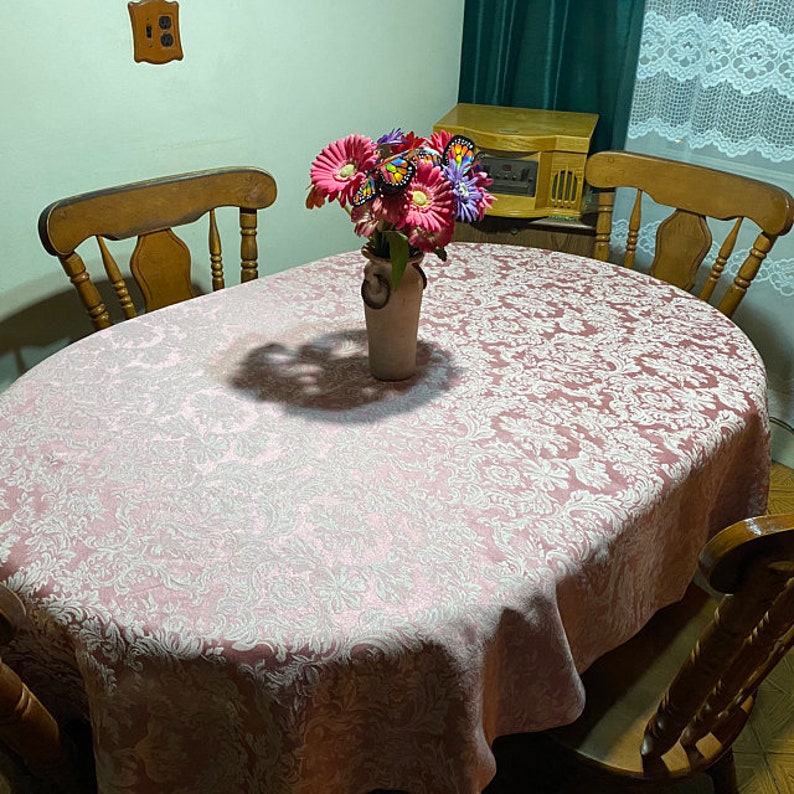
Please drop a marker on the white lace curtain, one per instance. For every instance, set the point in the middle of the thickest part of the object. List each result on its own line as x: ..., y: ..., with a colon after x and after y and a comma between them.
x: 715, y: 85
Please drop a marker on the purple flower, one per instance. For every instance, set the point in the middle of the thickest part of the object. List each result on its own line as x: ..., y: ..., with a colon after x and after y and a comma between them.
x: 391, y: 138
x: 466, y: 191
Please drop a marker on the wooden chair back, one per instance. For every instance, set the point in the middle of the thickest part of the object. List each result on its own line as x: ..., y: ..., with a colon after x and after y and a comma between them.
x: 161, y: 261
x: 639, y: 726
x: 26, y: 726
x: 684, y: 238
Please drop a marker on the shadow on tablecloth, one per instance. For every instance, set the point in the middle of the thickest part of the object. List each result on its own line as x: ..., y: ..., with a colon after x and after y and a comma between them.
x: 330, y: 374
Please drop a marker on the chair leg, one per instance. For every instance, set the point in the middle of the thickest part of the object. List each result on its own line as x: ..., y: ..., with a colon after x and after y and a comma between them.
x: 723, y: 775
x: 31, y: 732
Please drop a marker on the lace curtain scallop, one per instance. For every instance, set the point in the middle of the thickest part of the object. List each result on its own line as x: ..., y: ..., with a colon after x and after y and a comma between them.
x: 720, y: 74
x: 715, y: 86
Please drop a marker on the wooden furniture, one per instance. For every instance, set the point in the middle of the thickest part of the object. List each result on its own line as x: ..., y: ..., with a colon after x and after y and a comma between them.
x: 668, y: 704
x: 535, y: 157
x: 339, y: 584
x: 569, y: 235
x: 26, y: 726
x: 160, y: 263
x: 684, y: 239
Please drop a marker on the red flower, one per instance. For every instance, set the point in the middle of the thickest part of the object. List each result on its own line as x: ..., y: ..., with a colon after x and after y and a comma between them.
x: 439, y: 140
x: 314, y: 198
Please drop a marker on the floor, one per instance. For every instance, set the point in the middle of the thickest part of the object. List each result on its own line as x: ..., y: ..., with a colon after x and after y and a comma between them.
x: 764, y: 753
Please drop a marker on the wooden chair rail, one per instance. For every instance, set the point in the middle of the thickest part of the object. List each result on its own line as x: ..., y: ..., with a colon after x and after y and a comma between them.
x: 154, y: 205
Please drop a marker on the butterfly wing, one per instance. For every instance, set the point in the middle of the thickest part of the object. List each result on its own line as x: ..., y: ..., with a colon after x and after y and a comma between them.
x: 367, y: 191
x: 396, y: 173
x: 425, y: 155
x: 461, y: 152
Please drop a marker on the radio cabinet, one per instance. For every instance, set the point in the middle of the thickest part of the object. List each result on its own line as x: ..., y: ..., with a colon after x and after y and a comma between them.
x: 535, y: 157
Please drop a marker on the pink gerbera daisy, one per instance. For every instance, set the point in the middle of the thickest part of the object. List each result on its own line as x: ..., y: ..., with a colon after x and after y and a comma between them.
x: 431, y: 203
x: 365, y: 219
x: 341, y: 167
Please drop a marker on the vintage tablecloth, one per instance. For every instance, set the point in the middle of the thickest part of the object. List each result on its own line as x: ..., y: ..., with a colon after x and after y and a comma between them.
x: 260, y: 570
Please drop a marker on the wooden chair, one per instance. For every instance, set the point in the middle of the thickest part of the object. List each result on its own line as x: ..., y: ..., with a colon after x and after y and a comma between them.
x: 683, y: 240
x: 26, y: 726
x: 160, y: 263
x: 633, y: 729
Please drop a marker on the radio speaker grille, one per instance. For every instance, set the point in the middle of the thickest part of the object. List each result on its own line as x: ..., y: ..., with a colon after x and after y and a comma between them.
x: 565, y: 190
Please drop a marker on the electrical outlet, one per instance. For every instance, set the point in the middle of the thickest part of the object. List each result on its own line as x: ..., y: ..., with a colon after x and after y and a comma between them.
x: 155, y: 31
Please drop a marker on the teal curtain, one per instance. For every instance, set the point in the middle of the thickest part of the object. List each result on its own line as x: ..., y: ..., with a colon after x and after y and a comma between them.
x: 574, y: 55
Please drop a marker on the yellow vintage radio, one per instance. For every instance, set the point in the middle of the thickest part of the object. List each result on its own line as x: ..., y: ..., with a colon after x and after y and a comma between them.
x: 536, y: 158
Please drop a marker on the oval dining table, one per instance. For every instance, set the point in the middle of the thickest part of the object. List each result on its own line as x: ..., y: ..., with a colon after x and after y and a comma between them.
x: 257, y: 569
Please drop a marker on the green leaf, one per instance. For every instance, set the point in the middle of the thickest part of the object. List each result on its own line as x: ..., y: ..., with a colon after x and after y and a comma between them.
x: 379, y: 244
x: 398, y: 253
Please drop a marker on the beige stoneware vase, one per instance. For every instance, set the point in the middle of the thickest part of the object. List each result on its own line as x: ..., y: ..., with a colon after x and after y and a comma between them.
x: 392, y: 316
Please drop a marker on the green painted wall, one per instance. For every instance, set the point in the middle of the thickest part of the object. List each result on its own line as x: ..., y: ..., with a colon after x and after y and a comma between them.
x: 262, y: 83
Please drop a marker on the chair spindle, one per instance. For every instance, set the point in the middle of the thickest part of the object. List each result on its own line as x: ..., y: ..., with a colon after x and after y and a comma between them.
x: 216, y: 256
x: 634, y: 231
x: 248, y: 249
x: 722, y: 259
x: 746, y: 274
x: 735, y: 618
x: 760, y: 653
x: 117, y: 280
x: 86, y: 289
x: 606, y: 205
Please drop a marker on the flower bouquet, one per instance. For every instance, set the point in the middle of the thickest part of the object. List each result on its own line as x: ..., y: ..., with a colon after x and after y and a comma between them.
x: 403, y: 193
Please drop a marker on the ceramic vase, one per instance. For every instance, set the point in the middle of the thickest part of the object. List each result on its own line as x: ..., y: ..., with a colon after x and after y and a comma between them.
x: 392, y: 316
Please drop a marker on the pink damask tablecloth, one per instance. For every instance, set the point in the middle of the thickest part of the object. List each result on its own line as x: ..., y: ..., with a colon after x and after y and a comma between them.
x: 259, y: 570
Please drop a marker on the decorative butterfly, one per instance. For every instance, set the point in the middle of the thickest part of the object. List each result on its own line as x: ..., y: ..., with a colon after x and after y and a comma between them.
x: 367, y: 191
x: 426, y: 156
x: 395, y: 174
x: 461, y: 151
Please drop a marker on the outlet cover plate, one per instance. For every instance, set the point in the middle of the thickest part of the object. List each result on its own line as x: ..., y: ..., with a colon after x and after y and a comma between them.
x: 155, y: 31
